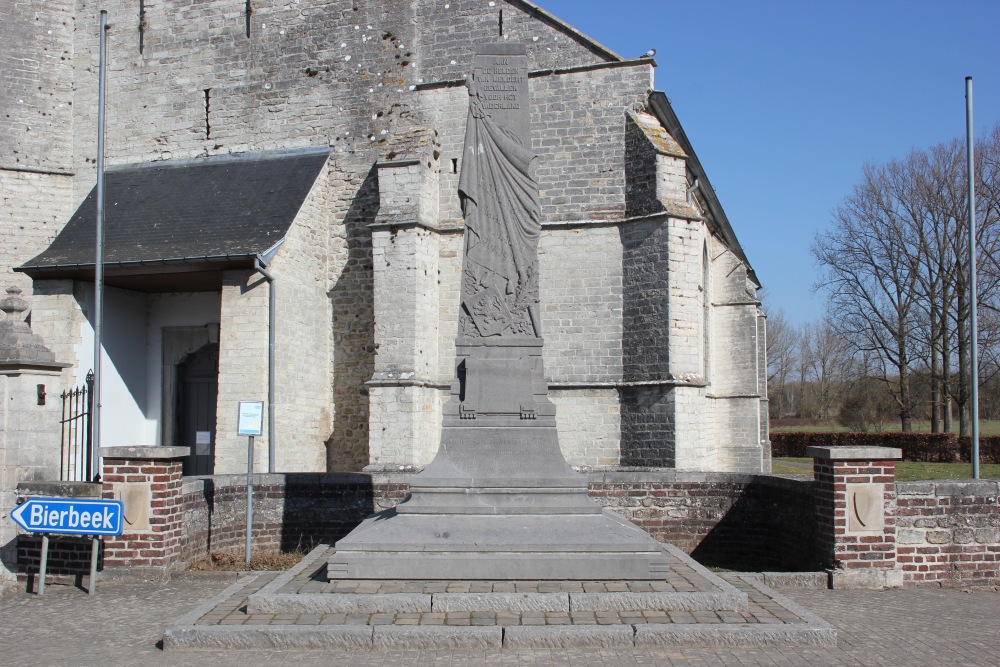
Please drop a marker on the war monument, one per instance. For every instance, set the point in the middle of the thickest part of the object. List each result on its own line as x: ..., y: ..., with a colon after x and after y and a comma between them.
x: 499, y: 501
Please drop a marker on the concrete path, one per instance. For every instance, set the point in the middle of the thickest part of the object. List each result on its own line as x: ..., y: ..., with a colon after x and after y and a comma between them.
x: 122, y: 625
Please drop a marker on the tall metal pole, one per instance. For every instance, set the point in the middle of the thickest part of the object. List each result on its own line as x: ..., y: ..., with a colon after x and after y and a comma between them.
x: 95, y: 418
x: 974, y: 371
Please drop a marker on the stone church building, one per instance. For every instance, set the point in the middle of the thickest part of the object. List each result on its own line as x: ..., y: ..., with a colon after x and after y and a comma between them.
x: 306, y: 155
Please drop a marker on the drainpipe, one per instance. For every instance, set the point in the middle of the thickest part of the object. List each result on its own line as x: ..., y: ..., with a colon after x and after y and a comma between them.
x: 690, y: 190
x: 271, y: 307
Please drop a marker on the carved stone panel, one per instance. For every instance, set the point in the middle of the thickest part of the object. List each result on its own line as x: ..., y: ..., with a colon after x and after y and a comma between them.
x: 865, y: 511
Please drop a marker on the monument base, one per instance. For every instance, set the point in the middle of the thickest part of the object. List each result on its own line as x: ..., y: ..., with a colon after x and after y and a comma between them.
x: 600, y: 546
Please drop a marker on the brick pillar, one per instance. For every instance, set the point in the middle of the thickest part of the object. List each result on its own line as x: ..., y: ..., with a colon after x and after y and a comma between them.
x: 856, y: 515
x: 148, y: 481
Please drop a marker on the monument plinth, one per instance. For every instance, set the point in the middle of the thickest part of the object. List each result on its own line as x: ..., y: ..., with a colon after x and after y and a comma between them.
x: 499, y: 501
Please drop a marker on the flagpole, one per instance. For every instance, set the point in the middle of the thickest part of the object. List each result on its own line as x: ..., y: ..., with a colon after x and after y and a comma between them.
x: 95, y: 418
x: 974, y: 370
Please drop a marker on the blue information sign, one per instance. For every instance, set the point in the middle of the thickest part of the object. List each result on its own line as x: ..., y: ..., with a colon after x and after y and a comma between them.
x: 70, y: 516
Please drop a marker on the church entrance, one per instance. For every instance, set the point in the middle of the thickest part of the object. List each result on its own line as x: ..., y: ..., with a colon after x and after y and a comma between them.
x: 196, y: 405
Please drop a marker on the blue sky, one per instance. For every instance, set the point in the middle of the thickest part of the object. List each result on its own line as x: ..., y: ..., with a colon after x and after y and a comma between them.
x: 786, y: 100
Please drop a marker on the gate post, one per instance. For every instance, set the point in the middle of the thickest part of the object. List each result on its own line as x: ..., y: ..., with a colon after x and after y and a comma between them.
x: 148, y: 480
x: 856, y: 515
x: 29, y: 418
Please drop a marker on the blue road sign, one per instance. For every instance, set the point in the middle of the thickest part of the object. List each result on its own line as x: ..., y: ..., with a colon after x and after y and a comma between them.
x: 70, y: 516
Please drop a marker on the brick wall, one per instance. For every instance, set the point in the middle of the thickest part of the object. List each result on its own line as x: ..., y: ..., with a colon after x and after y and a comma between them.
x: 834, y: 538
x: 949, y: 532
x: 158, y: 545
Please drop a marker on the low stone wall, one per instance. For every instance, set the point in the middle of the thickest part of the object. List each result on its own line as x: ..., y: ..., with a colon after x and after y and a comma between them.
x: 948, y: 532
x: 737, y: 521
x: 945, y: 533
x: 729, y: 520
x: 291, y: 510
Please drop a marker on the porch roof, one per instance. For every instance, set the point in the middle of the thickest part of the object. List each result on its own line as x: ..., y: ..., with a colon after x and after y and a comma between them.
x: 175, y: 225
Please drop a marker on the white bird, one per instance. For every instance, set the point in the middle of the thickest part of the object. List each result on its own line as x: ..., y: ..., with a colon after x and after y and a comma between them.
x: 649, y: 54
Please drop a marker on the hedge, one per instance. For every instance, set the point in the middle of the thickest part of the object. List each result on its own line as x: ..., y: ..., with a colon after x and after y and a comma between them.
x: 922, y: 447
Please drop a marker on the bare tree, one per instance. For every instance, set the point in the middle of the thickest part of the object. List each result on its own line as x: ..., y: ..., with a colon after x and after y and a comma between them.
x: 895, y: 268
x: 869, y: 272
x: 827, y: 365
x: 782, y: 344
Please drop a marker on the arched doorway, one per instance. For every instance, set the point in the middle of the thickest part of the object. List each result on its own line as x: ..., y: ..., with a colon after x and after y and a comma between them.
x: 198, y: 393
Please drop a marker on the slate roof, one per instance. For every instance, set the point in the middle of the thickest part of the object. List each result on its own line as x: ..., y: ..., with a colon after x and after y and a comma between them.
x: 192, y: 211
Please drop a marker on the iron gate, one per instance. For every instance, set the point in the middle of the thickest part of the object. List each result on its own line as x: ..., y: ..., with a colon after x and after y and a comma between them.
x: 76, y: 448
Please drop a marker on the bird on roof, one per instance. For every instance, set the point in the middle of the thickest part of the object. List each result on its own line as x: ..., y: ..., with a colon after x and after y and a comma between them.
x: 649, y: 54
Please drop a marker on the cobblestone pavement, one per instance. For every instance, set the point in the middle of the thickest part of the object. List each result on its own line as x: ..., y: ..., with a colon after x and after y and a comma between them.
x: 122, y: 625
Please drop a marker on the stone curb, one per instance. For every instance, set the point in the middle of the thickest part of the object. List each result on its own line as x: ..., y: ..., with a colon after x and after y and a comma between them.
x: 512, y: 602
x: 439, y: 637
x: 338, y: 603
x: 658, y: 601
x: 728, y: 635
x: 807, y: 616
x: 569, y: 636
x: 273, y: 587
x: 192, y: 617
x: 268, y: 637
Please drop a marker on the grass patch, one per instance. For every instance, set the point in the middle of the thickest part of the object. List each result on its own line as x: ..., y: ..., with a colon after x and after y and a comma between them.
x: 906, y: 471
x: 817, y: 428
x: 259, y: 560
x: 791, y: 466
x: 986, y: 427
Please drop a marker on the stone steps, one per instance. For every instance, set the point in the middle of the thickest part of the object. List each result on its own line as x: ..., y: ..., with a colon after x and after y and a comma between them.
x: 300, y: 609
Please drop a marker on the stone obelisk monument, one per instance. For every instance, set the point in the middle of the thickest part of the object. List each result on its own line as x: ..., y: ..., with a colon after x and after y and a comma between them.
x: 499, y: 501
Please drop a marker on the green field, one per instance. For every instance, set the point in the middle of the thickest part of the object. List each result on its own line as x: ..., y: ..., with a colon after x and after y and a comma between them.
x: 906, y: 471
x: 986, y: 427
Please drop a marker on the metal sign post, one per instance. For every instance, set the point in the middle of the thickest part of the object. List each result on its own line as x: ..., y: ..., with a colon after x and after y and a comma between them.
x: 250, y: 423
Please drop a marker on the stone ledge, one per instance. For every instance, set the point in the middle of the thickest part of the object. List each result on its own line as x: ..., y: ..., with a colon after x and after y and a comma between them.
x: 875, y: 579
x: 60, y: 489
x: 151, y: 453
x: 808, y: 580
x: 855, y: 453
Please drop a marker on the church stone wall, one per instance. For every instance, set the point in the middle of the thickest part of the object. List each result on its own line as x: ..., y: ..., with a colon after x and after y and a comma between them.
x: 303, y: 417
x: 242, y: 367
x: 352, y: 300
x: 620, y: 296
x: 36, y: 123
x: 578, y: 132
x: 451, y: 32
x: 580, y: 283
x: 33, y: 208
x: 36, y: 76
